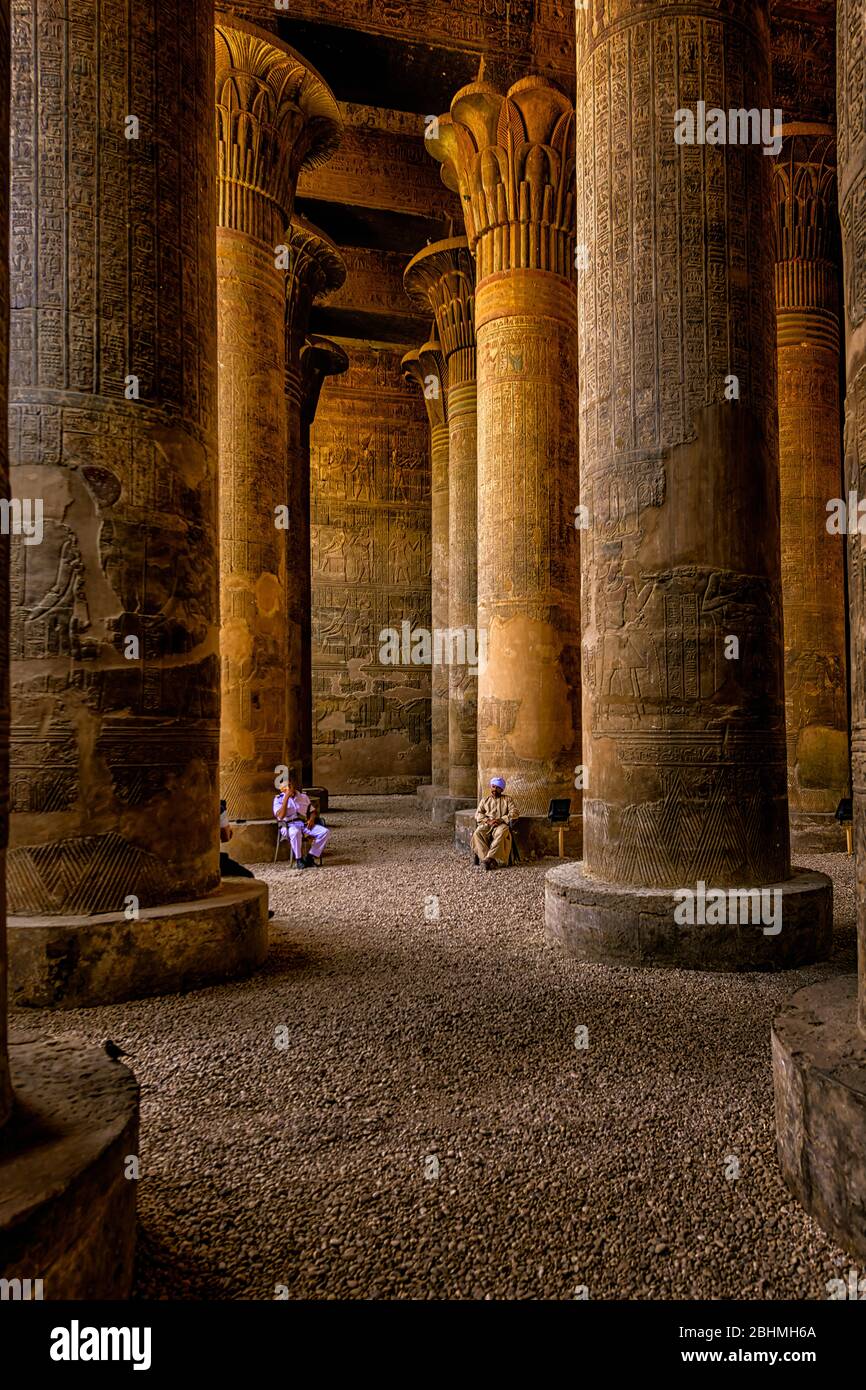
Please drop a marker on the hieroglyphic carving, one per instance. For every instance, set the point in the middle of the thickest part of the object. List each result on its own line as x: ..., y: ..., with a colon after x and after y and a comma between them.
x: 5, y: 1087
x: 518, y: 33
x: 427, y: 368
x: 851, y: 95
x: 382, y: 170
x: 511, y: 157
x: 370, y: 505
x: 127, y: 482
x: 274, y: 114
x: 810, y: 469
x: 442, y: 275
x: 316, y: 268
x: 803, y: 36
x: 374, y: 284
x: 684, y: 747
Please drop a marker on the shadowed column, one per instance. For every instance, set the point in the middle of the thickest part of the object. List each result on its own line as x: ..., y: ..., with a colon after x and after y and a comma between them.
x: 819, y: 1039
x: 427, y: 368
x: 5, y: 1087
x: 275, y: 115
x: 316, y: 269
x: 810, y: 470
x: 684, y: 737
x: 511, y: 158
x: 320, y: 358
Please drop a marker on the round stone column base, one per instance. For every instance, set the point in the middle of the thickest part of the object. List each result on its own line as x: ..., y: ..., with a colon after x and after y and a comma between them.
x: 80, y: 962
x: 619, y: 924
x: 819, y: 1077
x: 427, y: 791
x: 67, y: 1188
x: 816, y: 834
x: 536, y: 837
x: 444, y: 807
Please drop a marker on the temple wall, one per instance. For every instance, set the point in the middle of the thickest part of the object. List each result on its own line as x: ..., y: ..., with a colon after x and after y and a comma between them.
x: 370, y: 513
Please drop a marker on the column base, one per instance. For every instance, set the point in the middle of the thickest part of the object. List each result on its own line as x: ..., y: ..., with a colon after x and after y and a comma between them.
x: 819, y: 1077
x: 536, y: 837
x: 816, y: 834
x: 619, y: 924
x: 319, y: 796
x: 67, y: 1210
x: 426, y: 792
x: 81, y: 962
x: 444, y: 807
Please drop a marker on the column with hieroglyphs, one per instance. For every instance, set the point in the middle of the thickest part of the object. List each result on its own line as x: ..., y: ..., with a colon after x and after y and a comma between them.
x: 275, y: 115
x: 511, y: 158
x: 426, y: 367
x: 810, y: 470
x: 683, y: 720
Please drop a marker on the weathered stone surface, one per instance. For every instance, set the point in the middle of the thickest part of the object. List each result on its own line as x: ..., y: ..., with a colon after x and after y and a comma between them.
x: 67, y: 1206
x: 536, y: 837
x: 5, y: 1086
x: 320, y: 358
x: 443, y: 275
x: 79, y: 962
x: 315, y: 269
x: 444, y: 807
x: 427, y: 368
x: 370, y: 509
x: 810, y: 467
x: 274, y: 115
x: 851, y: 39
x: 511, y: 158
x: 621, y: 924
x: 115, y: 667
x: 819, y: 1076
x: 684, y: 730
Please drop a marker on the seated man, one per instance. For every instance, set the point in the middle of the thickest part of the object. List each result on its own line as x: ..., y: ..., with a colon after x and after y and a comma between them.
x: 491, y: 842
x: 296, y: 817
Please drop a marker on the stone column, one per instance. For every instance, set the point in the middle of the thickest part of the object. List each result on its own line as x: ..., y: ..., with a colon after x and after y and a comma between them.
x: 819, y: 1039
x: 511, y: 158
x: 442, y: 278
x: 5, y: 1086
x: 114, y: 631
x: 684, y: 736
x: 810, y: 469
x: 316, y: 269
x: 427, y: 368
x: 275, y: 115
x: 320, y: 358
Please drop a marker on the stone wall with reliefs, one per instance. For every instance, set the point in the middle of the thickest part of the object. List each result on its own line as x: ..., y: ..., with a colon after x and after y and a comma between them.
x: 113, y: 278
x: 5, y: 1088
x: 370, y: 512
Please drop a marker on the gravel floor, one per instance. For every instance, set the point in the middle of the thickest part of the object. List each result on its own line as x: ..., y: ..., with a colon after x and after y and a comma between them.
x: 395, y: 1106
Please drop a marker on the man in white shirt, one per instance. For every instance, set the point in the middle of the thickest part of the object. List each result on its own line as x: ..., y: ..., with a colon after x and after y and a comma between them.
x: 296, y: 817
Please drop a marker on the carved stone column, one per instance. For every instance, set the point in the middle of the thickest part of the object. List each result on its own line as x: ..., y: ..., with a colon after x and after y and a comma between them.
x: 5, y: 1086
x: 114, y: 632
x: 810, y: 468
x: 275, y: 115
x: 428, y: 369
x: 442, y: 278
x: 684, y: 737
x: 320, y: 358
x: 819, y: 1051
x: 511, y: 158
x: 316, y: 268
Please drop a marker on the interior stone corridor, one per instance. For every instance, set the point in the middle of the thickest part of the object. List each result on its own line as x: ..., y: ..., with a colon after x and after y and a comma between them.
x: 407, y: 1039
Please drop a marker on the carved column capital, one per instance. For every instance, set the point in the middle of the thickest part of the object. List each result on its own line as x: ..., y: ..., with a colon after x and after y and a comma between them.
x: 806, y: 234
x: 511, y: 159
x: 320, y: 358
x: 427, y: 368
x: 316, y: 269
x: 275, y: 115
x: 441, y: 278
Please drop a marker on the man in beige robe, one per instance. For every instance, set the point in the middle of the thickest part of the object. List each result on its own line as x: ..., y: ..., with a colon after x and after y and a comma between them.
x: 491, y: 842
